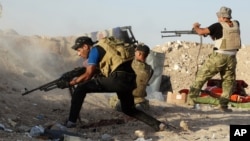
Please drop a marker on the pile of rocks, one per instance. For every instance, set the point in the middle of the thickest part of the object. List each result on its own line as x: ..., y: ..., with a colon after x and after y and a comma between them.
x: 183, y: 59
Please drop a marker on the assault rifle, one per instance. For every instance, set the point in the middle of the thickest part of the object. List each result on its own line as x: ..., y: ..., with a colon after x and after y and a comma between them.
x: 62, y: 82
x: 177, y: 33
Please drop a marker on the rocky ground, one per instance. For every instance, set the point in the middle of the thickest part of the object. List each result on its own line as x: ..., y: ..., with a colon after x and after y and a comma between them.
x: 28, y: 62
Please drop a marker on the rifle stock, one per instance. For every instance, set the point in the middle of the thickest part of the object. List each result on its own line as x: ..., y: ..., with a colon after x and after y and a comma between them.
x: 66, y: 77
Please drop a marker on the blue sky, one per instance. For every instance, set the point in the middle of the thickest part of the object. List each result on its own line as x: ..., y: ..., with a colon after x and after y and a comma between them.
x: 147, y: 17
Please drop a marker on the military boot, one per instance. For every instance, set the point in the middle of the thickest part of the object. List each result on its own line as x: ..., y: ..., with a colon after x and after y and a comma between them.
x: 193, y: 93
x: 223, y: 105
x: 143, y: 105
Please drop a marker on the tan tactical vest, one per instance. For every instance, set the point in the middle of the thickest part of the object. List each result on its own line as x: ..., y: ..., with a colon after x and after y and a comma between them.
x: 231, y: 37
x: 117, y: 52
x: 143, y: 73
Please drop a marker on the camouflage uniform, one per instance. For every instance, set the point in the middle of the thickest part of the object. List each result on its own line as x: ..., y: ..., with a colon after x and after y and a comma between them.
x: 216, y: 63
x: 143, y: 73
x: 226, y: 35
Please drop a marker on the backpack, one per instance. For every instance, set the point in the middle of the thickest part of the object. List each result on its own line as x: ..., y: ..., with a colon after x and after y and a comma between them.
x: 117, y: 52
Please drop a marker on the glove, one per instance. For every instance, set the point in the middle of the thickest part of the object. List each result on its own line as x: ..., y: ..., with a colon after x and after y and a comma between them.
x: 62, y: 84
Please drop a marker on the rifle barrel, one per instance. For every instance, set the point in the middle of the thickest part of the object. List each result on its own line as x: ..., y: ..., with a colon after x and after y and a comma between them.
x: 53, y: 84
x: 180, y: 31
x: 27, y: 92
x: 177, y: 33
x: 43, y: 87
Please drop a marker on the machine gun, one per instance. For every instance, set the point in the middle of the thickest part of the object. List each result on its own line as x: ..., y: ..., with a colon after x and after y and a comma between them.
x: 128, y: 35
x: 62, y: 82
x: 177, y: 33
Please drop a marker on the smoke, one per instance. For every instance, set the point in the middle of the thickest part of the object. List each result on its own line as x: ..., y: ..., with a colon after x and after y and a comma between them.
x: 19, y: 56
x: 25, y: 60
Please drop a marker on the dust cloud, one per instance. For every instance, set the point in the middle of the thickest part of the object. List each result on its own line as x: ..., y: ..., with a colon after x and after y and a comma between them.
x: 32, y: 60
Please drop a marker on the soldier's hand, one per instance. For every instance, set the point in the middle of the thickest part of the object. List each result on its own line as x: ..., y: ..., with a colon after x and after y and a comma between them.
x: 73, y: 82
x: 196, y: 25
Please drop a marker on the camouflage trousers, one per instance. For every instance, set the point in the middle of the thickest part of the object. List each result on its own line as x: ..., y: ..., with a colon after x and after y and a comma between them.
x: 216, y: 63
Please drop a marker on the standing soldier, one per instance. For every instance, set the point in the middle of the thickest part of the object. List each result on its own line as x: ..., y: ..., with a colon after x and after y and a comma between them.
x: 226, y: 35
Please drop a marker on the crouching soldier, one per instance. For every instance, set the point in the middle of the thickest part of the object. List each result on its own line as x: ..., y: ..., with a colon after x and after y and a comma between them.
x: 143, y: 73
